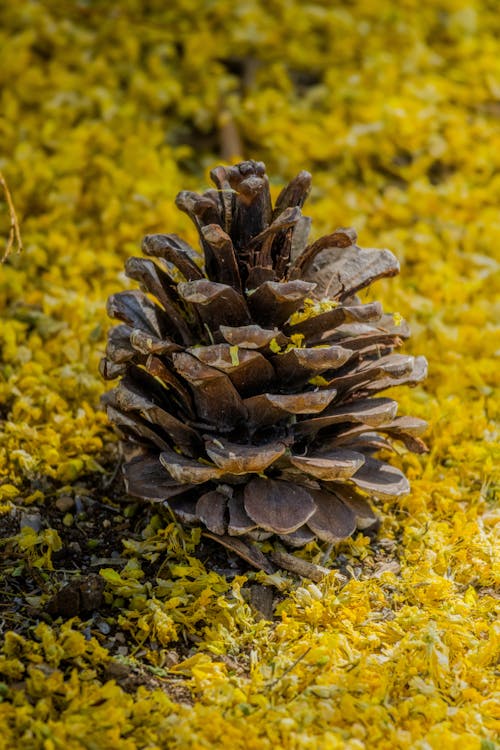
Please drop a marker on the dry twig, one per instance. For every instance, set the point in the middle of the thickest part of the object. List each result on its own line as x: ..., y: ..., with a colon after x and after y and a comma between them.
x: 14, y: 231
x: 301, y: 567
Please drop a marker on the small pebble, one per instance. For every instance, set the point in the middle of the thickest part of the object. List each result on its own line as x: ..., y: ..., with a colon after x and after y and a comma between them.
x: 78, y: 504
x: 33, y: 520
x: 64, y: 503
x: 116, y: 671
x: 170, y: 658
x: 104, y: 628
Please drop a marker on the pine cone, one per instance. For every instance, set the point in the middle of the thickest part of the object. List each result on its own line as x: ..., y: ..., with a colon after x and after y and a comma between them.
x: 247, y: 391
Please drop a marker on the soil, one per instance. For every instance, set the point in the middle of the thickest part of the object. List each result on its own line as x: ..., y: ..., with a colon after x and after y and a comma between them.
x: 92, y: 520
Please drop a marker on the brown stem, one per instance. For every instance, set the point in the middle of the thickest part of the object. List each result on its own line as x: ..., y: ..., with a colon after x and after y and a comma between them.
x: 14, y: 231
x: 296, y: 565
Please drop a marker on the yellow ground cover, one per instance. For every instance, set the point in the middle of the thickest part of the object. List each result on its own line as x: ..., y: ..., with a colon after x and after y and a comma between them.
x: 106, y: 111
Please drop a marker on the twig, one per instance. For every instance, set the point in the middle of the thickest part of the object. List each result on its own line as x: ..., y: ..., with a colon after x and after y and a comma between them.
x: 297, y: 565
x: 231, y: 146
x: 111, y: 479
x: 14, y: 231
x: 297, y: 661
x: 327, y: 554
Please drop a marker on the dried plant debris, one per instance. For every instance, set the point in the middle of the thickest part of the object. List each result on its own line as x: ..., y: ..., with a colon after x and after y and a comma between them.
x: 240, y: 403
x: 14, y: 230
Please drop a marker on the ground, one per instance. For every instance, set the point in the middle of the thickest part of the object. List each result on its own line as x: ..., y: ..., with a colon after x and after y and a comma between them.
x: 120, y: 629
